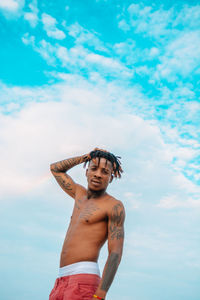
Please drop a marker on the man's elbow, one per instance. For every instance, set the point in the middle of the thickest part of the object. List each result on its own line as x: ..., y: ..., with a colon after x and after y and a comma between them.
x: 119, y: 257
x: 52, y: 168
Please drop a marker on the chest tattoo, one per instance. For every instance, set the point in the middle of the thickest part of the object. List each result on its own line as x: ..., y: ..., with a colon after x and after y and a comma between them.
x: 88, y: 211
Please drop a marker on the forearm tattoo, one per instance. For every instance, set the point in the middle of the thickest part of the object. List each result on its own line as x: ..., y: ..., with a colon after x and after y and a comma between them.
x: 110, y: 271
x: 116, y: 232
x: 116, y: 229
x: 64, y: 165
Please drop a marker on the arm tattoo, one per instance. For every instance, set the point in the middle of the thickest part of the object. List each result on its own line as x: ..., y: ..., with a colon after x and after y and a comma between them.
x: 65, y: 165
x: 116, y: 222
x: 111, y: 269
x: 64, y: 185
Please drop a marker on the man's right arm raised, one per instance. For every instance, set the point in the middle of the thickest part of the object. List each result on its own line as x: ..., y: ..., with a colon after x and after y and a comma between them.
x: 59, y: 170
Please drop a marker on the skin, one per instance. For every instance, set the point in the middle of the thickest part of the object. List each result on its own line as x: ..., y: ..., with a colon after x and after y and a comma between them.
x: 96, y: 217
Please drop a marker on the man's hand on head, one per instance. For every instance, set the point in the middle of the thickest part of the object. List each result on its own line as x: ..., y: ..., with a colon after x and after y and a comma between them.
x: 98, y: 149
x: 86, y: 157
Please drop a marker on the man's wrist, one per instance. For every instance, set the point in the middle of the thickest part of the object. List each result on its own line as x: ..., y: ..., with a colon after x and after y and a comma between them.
x: 100, y: 293
x: 85, y: 157
x: 97, y: 297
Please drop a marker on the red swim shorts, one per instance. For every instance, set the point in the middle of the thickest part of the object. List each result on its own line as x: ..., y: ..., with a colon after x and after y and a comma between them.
x: 75, y: 287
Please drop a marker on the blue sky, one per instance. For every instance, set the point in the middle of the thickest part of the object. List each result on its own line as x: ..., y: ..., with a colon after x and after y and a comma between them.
x: 123, y: 75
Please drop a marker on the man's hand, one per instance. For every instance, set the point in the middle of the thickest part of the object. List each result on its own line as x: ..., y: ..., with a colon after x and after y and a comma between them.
x: 98, y: 149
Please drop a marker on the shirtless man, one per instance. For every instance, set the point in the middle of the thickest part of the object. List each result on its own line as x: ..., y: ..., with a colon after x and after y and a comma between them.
x: 96, y: 217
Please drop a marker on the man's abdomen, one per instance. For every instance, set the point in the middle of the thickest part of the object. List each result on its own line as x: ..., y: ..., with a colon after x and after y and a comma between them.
x: 82, y: 245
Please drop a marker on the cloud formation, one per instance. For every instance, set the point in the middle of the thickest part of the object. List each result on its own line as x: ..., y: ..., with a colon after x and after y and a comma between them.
x: 60, y: 123
x: 10, y: 5
x: 11, y: 8
x: 121, y: 76
x: 50, y: 27
x: 32, y: 15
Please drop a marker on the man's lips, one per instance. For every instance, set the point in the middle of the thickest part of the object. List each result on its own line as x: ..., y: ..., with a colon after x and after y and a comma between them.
x: 95, y: 181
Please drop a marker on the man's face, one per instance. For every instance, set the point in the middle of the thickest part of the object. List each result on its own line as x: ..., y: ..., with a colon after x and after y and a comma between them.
x: 99, y: 175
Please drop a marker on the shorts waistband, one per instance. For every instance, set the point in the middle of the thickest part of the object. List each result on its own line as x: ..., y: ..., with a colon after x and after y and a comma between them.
x: 82, y: 267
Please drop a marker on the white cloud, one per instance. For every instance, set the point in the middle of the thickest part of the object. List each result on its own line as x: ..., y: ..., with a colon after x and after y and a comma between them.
x: 83, y: 36
x: 134, y: 9
x: 134, y: 200
x: 181, y: 57
x: 80, y: 57
x: 147, y: 20
x: 173, y: 201
x: 10, y: 5
x: 28, y: 40
x: 189, y: 16
x: 63, y: 55
x: 184, y: 91
x: 130, y: 52
x: 124, y: 25
x: 173, y: 37
x: 32, y: 16
x: 154, y: 52
x: 143, y: 70
x: 48, y: 20
x: 184, y: 153
x: 125, y: 48
x: 46, y: 49
x: 159, y: 23
x: 77, y: 57
x: 11, y: 8
x: 104, y: 61
x: 50, y: 27
x: 74, y: 117
x: 73, y: 58
x: 156, y: 247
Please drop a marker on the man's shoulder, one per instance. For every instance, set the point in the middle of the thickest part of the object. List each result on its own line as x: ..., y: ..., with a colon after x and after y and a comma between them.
x: 114, y: 204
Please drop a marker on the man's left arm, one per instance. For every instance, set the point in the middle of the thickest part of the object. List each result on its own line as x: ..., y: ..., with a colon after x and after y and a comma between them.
x: 116, y: 219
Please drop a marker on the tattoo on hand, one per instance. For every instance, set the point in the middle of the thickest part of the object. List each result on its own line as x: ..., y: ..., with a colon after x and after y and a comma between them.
x: 116, y: 225
x: 111, y: 269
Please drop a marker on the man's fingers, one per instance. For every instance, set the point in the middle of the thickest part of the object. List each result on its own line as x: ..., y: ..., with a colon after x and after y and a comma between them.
x: 98, y: 149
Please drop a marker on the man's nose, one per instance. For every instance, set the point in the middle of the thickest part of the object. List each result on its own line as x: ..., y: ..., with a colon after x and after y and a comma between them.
x: 98, y: 173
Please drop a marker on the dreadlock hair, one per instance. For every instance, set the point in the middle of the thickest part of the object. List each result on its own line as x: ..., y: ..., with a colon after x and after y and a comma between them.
x: 116, y: 164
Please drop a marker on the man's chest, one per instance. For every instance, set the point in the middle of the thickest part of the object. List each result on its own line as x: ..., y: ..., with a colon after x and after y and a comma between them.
x: 89, y: 212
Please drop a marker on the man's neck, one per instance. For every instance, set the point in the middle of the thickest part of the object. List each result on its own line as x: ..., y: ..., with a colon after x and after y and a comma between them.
x: 95, y: 194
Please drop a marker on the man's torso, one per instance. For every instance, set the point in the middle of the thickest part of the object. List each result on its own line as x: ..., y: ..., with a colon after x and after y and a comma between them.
x: 88, y: 228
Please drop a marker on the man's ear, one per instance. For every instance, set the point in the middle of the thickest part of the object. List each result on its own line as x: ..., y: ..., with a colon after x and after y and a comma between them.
x: 111, y: 178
